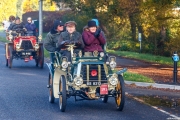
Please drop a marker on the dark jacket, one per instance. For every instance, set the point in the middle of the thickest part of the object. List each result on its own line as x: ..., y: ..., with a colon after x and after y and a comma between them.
x: 75, y: 37
x: 15, y: 26
x: 92, y: 43
x: 51, y: 40
x: 31, y: 27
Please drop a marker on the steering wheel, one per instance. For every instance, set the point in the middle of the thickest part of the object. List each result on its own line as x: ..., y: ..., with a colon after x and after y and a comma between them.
x: 68, y: 43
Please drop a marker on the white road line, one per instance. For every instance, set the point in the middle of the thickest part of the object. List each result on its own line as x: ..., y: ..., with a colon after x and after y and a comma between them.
x: 163, y: 111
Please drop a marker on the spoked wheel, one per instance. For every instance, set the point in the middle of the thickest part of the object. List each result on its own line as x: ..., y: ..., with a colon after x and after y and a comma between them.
x: 6, y: 54
x: 62, y: 93
x: 41, y: 57
x: 50, y: 86
x: 105, y: 99
x: 10, y: 58
x: 120, y: 95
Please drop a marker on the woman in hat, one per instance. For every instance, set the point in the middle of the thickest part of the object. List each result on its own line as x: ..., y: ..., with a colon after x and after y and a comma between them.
x: 70, y: 36
x: 93, y: 38
x: 53, y: 36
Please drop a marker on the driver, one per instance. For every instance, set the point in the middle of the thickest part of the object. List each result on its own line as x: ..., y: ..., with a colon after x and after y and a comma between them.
x: 70, y: 36
x: 18, y: 25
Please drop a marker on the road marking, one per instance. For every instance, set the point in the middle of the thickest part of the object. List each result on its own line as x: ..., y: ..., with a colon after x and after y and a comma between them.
x: 163, y: 111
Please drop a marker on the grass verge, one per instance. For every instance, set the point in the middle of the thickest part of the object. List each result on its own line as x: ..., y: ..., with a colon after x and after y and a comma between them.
x: 2, y: 39
x: 136, y: 77
x: 145, y: 57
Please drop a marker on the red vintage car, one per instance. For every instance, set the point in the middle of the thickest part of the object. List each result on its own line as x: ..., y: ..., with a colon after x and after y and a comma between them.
x: 26, y: 47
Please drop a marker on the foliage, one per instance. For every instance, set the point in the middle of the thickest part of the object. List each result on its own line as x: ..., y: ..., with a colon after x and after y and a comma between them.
x: 33, y: 5
x: 121, y: 20
x: 7, y: 8
x: 17, y: 7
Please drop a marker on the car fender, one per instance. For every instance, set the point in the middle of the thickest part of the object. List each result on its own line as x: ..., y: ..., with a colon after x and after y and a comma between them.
x: 57, y: 74
x: 51, y: 69
x: 120, y: 72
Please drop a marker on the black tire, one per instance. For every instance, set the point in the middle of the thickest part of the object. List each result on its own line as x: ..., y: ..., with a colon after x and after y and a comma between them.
x: 10, y: 59
x: 37, y: 63
x: 50, y: 84
x: 6, y: 62
x: 6, y: 56
x: 120, y: 96
x: 105, y: 99
x: 62, y: 91
x: 41, y: 57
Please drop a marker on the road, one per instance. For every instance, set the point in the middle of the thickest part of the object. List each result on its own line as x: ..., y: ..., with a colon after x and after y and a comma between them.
x: 24, y: 96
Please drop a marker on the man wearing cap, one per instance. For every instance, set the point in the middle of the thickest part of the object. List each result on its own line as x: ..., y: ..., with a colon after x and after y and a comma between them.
x: 93, y: 38
x: 16, y: 25
x: 53, y: 36
x: 70, y: 36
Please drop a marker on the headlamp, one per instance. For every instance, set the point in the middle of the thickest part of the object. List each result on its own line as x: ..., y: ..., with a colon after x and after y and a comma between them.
x: 113, y: 80
x: 78, y: 81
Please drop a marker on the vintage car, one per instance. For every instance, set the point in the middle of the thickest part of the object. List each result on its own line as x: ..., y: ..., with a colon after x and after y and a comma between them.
x: 25, y: 47
x: 88, y: 77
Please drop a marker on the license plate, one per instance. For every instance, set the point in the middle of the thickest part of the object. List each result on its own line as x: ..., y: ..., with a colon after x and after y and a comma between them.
x: 26, y: 53
x: 93, y: 83
x: 104, y: 89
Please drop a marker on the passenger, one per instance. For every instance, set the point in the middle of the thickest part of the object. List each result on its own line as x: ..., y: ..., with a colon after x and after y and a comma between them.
x: 52, y: 37
x: 18, y: 25
x: 30, y: 26
x: 70, y: 36
x: 12, y: 19
x: 98, y: 27
x: 93, y: 38
x: 6, y: 24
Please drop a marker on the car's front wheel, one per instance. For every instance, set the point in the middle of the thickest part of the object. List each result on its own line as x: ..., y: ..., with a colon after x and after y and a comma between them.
x: 10, y: 58
x: 41, y: 56
x: 120, y: 94
x: 62, y: 93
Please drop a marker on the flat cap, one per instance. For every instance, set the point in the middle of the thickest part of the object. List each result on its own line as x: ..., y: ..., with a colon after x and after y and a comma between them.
x: 71, y: 23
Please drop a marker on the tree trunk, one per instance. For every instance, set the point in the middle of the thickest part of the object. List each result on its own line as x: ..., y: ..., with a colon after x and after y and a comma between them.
x: 133, y: 26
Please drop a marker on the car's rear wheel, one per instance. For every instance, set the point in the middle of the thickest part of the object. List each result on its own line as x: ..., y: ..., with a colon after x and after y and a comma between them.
x: 41, y: 57
x: 105, y: 99
x: 62, y: 93
x: 10, y: 58
x: 50, y: 86
x: 120, y: 94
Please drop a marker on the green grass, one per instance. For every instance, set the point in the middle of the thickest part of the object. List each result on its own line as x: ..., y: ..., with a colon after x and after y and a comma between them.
x: 145, y: 57
x: 2, y: 39
x: 136, y: 77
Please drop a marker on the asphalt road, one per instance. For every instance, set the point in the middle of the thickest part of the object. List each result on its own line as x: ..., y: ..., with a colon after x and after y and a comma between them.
x: 24, y: 96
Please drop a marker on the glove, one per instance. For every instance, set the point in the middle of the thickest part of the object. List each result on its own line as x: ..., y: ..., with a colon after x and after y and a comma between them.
x: 63, y: 44
x: 97, y: 33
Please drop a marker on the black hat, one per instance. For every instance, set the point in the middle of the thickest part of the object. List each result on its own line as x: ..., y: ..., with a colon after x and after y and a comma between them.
x: 17, y: 18
x: 57, y: 23
x: 92, y: 23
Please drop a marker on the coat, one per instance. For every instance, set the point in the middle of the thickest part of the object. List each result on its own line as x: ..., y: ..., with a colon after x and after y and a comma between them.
x: 31, y: 27
x: 75, y: 36
x: 51, y: 40
x: 92, y: 43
